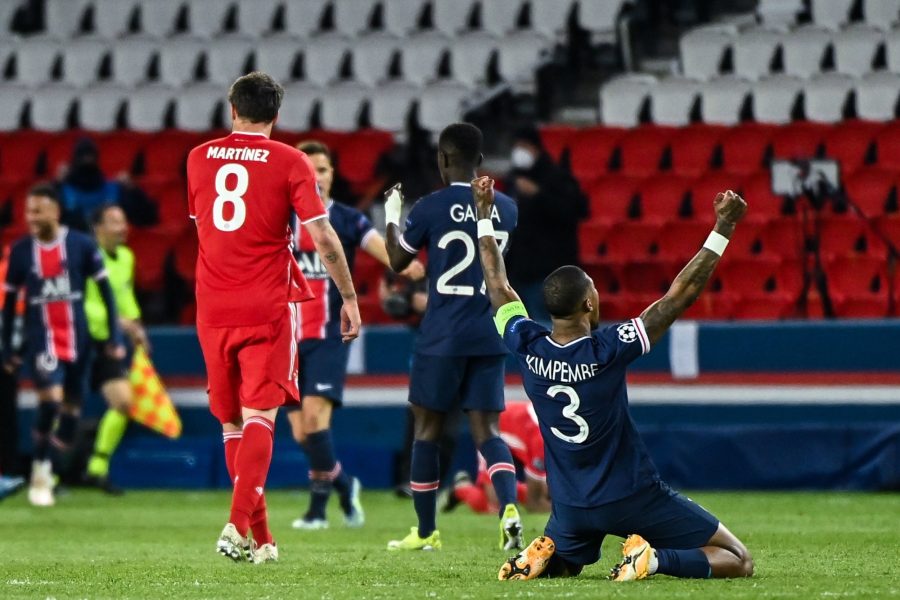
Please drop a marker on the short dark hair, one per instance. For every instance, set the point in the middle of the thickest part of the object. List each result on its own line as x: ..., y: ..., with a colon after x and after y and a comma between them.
x: 310, y: 147
x: 564, y: 290
x: 256, y: 97
x: 47, y: 190
x: 100, y: 213
x: 461, y: 142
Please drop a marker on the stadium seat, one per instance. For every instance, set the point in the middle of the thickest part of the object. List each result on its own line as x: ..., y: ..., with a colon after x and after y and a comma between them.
x: 170, y: 196
x: 158, y: 17
x: 784, y: 237
x: 14, y: 99
x: 470, y: 56
x: 81, y: 61
x: 682, y: 241
x: 62, y: 18
x: 20, y: 160
x: 401, y: 17
x: 113, y: 17
x: 804, y: 50
x: 197, y: 107
x: 367, y: 274
x: 300, y: 99
x: 779, y: 13
x: 874, y: 306
x: 500, y: 18
x: 841, y: 236
x: 624, y: 306
x: 360, y: 153
x: 131, y: 60
x: 550, y: 18
x: 207, y: 17
x: 831, y: 13
x: 345, y: 100
x: 826, y: 97
x: 663, y: 199
x: 722, y: 100
x: 519, y: 56
x: 185, y: 252
x: 352, y: 17
x: 768, y: 307
x: 622, y: 99
x: 179, y: 59
x: 556, y: 139
x: 850, y: 143
x: 57, y: 151
x: 389, y: 107
x: 855, y: 49
x: 765, y: 205
x: 888, y: 225
x: 604, y: 277
x: 775, y: 99
x: 591, y: 152
x: 278, y: 56
x: 372, y: 57
x: 148, y: 106
x: 797, y: 141
x: 870, y: 189
x: 35, y: 59
x: 877, y: 96
x: 672, y: 101
x: 856, y: 276
x: 600, y: 18
x: 753, y: 52
x: 710, y: 306
x: 650, y: 277
x: 629, y: 240
x: 166, y: 152
x: 642, y: 150
x: 887, y: 143
x: 441, y: 103
x: 302, y: 19
x: 99, y: 107
x: 256, y: 17
x: 750, y: 276
x: 51, y: 107
x: 702, y: 50
x: 421, y: 55
x: 746, y: 241
x: 227, y: 59
x: 322, y: 58
x: 745, y: 148
x: 119, y: 151
x: 591, y: 239
x: 612, y: 199
x: 883, y: 14
x: 704, y: 190
x: 451, y: 17
x: 151, y: 251
x: 693, y: 149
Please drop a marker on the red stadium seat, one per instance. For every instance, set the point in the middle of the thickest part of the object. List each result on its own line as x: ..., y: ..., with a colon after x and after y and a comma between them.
x: 630, y: 241
x: 870, y: 189
x: 119, y: 151
x: 647, y: 276
x: 612, y: 197
x: 165, y: 154
x: 20, y: 152
x: 856, y: 276
x: 591, y: 150
x: 749, y: 276
x: 556, y: 138
x: 664, y: 198
x: 151, y: 248
x: 58, y: 151
x: 371, y: 312
x: 768, y: 307
x: 746, y: 241
x: 711, y: 307
x: 841, y: 236
x: 764, y: 204
x: 185, y: 251
x: 888, y: 226
x: 799, y: 140
x: 367, y: 274
x: 693, y: 148
x: 864, y: 307
x: 789, y: 280
x: 643, y: 148
x: 887, y: 143
x: 704, y: 190
x: 591, y: 237
x: 744, y: 148
x: 360, y: 152
x: 624, y: 306
x: 849, y: 143
x: 681, y: 241
x: 170, y: 196
x: 605, y: 278
x: 784, y: 238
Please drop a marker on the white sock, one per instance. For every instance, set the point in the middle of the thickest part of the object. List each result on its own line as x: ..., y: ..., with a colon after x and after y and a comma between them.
x: 654, y: 563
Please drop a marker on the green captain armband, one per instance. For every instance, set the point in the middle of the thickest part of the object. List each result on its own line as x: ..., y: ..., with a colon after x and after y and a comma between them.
x: 507, y: 312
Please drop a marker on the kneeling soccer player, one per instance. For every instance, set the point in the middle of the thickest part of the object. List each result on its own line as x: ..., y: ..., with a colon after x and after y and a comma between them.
x: 599, y: 472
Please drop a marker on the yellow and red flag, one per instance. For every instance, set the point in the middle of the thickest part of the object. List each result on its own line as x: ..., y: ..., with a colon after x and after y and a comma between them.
x: 152, y: 405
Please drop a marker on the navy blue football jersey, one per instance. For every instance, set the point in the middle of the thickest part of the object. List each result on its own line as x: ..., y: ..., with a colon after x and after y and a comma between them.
x: 457, y: 321
x: 319, y: 318
x: 53, y: 277
x: 594, y: 453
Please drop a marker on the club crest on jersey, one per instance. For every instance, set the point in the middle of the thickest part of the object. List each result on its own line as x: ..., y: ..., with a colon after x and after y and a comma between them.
x: 627, y: 332
x: 46, y: 363
x: 460, y: 213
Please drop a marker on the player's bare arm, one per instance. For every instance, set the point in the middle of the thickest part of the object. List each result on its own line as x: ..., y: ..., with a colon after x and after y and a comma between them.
x: 689, y: 283
x: 329, y: 247
x: 377, y: 249
x: 399, y: 258
x: 499, y: 290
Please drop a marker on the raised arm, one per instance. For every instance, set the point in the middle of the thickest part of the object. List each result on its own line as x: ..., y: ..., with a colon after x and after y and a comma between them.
x: 398, y: 257
x: 689, y: 283
x: 329, y: 247
x: 499, y: 290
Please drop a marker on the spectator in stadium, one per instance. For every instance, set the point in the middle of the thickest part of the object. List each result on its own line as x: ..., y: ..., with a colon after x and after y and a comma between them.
x: 551, y: 204
x: 83, y: 188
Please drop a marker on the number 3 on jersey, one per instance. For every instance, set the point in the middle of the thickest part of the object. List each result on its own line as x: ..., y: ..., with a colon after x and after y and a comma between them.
x: 233, y: 196
x: 443, y: 283
x: 570, y: 413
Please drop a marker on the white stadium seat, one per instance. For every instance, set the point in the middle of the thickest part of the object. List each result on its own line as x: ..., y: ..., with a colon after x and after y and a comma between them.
x: 883, y: 14
x: 341, y: 109
x: 550, y: 17
x: 63, y: 17
x: 299, y: 99
x: 112, y: 17
x: 13, y: 98
x: 519, y: 55
x: 322, y: 58
x: 303, y: 18
x: 389, y: 107
x: 832, y: 14
x: 147, y: 107
x: 753, y: 51
x: 178, y: 58
x: 7, y: 51
x: 440, y: 104
x: 372, y: 55
x: 471, y: 54
x: 50, y: 107
x: 158, y: 17
x: 672, y: 99
x: 779, y: 12
x: 276, y: 55
x: 774, y: 98
x: 877, y: 95
x: 352, y: 17
x: 722, y: 99
x: 131, y: 60
x: 98, y: 107
x: 8, y: 9
x: 35, y: 58
x: 421, y: 55
x: 623, y: 97
x: 855, y: 49
x: 81, y: 61
x: 226, y: 58
x: 207, y: 17
x: 196, y: 106
x: 599, y: 17
x: 825, y: 97
x: 451, y: 16
x: 500, y: 16
x: 804, y: 49
x: 702, y: 50
x: 255, y: 17
x: 401, y: 17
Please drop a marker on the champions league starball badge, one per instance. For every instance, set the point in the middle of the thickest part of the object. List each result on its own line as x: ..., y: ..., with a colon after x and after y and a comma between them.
x: 627, y: 332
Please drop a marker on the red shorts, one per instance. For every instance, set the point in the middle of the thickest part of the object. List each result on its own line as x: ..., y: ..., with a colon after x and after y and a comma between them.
x: 251, y: 367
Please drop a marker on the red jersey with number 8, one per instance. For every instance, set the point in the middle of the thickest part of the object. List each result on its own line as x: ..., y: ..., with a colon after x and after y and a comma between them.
x: 242, y: 190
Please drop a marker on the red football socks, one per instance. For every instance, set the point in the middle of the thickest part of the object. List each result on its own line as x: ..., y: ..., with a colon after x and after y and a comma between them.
x: 251, y: 466
x: 259, y: 521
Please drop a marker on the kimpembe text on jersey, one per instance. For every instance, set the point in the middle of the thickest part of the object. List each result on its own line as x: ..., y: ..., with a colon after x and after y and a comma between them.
x: 557, y: 370
x: 254, y: 154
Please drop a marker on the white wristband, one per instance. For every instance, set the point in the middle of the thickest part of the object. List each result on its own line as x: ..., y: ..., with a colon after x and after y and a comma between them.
x: 485, y: 228
x: 393, y: 208
x: 716, y: 242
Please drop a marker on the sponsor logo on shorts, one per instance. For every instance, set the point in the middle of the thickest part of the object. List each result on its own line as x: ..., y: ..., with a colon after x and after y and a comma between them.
x: 323, y: 387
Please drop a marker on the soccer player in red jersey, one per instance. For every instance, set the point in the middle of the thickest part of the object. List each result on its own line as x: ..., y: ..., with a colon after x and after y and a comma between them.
x: 242, y: 191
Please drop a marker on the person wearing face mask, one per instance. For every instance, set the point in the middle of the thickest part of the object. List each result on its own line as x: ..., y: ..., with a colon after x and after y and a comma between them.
x: 551, y: 204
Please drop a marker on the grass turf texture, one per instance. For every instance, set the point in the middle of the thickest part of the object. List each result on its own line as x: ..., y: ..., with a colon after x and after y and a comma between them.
x: 161, y: 545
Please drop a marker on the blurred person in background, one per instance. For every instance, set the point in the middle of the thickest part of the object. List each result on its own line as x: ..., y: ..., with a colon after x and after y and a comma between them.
x: 9, y: 392
x: 83, y: 188
x: 110, y: 375
x: 551, y: 205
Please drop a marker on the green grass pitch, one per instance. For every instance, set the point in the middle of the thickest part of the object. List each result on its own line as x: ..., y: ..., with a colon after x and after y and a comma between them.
x: 161, y: 545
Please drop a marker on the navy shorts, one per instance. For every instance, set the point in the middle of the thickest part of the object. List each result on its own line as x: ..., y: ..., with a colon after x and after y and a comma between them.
x: 659, y: 514
x: 440, y: 383
x: 48, y: 371
x: 323, y: 369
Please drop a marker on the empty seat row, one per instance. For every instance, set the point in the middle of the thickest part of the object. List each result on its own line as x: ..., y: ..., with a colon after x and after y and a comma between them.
x: 830, y: 13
